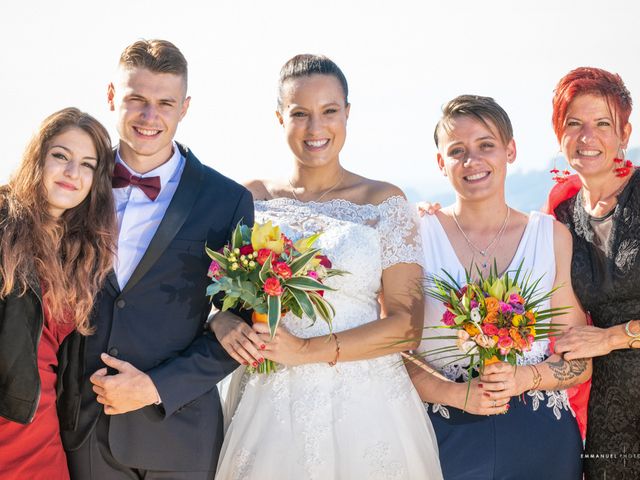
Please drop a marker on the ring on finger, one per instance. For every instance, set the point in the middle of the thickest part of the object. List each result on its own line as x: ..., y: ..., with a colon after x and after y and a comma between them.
x: 494, y: 403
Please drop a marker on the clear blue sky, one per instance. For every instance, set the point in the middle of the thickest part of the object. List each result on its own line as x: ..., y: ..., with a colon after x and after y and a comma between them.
x: 403, y: 60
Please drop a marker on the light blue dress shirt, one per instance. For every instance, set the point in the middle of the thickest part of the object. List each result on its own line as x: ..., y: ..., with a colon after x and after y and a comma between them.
x: 139, y: 217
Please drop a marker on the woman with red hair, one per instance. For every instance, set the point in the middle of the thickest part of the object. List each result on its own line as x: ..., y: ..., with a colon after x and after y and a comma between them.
x: 601, y: 208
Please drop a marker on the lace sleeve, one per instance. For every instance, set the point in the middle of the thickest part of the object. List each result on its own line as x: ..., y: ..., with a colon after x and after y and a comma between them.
x: 399, y: 234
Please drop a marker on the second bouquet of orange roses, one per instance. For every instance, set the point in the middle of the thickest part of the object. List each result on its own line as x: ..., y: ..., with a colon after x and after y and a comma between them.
x: 261, y: 269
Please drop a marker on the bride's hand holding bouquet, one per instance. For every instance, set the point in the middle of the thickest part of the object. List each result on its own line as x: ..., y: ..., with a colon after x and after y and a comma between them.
x: 264, y: 271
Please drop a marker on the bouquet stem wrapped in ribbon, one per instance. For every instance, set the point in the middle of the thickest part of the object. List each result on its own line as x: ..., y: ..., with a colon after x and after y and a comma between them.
x: 492, y: 319
x: 264, y: 271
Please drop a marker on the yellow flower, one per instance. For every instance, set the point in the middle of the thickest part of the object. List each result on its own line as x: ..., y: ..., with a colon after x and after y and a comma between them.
x: 306, y: 243
x: 516, y: 321
x: 267, y: 236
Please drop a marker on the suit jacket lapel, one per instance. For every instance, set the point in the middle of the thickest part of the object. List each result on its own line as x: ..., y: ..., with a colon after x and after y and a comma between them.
x: 112, y: 281
x: 173, y: 219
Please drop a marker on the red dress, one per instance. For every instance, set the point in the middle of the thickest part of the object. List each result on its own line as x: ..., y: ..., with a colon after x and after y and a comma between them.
x: 578, y: 396
x: 34, y: 451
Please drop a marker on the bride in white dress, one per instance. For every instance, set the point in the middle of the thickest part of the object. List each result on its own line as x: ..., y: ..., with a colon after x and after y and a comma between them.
x: 338, y: 407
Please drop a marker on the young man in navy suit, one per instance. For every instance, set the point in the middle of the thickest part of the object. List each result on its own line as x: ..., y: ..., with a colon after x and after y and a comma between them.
x: 139, y: 398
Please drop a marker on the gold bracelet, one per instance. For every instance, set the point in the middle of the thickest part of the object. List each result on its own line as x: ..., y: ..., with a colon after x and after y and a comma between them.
x: 335, y: 360
x: 632, y: 341
x: 537, y: 378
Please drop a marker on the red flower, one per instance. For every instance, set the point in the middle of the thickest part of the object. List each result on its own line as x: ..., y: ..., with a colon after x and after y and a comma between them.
x: 489, y: 329
x: 282, y: 269
x: 460, y: 293
x: 272, y: 287
x: 324, y: 261
x: 246, y: 249
x: 263, y: 255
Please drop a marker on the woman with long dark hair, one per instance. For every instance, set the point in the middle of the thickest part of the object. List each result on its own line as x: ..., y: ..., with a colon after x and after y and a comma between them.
x: 56, y: 248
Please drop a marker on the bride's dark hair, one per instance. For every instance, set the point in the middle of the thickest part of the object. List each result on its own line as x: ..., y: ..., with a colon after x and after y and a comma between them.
x: 305, y: 65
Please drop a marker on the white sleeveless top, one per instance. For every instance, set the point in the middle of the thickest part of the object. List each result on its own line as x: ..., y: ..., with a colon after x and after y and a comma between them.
x: 537, y: 255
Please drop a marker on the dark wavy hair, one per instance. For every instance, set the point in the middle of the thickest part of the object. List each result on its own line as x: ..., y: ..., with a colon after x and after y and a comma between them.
x: 73, y: 254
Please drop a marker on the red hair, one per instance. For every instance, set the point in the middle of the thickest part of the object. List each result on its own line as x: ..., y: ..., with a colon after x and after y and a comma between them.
x: 595, y: 81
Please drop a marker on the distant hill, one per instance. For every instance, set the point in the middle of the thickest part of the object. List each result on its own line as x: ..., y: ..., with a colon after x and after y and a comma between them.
x: 525, y: 191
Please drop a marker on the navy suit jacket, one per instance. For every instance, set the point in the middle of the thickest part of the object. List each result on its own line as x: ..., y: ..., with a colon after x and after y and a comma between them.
x: 156, y: 322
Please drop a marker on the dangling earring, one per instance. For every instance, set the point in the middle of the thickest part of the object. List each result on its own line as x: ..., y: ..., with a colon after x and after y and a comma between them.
x: 623, y: 167
x: 559, y: 176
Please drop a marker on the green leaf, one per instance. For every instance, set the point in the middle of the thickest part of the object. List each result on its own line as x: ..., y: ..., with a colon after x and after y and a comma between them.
x: 236, y: 237
x: 245, y: 231
x: 300, y: 262
x: 460, y: 319
x: 265, y: 269
x: 217, y: 256
x: 274, y: 312
x: 229, y: 302
x: 302, y: 299
x: 306, y: 283
x: 324, y: 308
x: 213, y: 289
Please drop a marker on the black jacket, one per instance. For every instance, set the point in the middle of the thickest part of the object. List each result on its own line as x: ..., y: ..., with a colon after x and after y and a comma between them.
x: 21, y: 320
x: 155, y: 322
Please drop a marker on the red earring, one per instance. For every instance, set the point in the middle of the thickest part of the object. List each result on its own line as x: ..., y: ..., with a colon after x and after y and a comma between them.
x: 559, y: 176
x: 623, y: 167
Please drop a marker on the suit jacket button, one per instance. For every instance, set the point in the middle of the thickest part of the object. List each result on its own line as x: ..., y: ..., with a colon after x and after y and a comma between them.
x: 121, y: 303
x: 113, y: 351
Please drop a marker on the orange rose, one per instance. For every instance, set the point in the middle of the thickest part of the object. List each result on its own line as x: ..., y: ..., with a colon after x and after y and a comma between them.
x: 514, y: 333
x: 471, y: 329
x: 492, y: 304
x: 492, y: 317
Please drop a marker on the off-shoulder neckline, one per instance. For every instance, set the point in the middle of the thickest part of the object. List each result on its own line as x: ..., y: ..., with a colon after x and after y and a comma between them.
x: 289, y: 200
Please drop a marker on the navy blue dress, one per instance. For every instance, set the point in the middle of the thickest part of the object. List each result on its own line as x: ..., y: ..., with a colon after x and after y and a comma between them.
x: 528, y: 443
x: 538, y: 439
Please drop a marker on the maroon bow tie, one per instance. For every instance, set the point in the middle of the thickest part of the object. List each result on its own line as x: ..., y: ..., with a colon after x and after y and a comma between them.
x: 122, y: 178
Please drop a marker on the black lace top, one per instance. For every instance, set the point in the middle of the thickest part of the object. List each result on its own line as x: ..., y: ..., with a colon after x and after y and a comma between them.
x: 608, y: 286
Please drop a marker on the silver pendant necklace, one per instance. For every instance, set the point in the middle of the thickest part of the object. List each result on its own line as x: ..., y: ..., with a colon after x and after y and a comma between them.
x: 486, y: 251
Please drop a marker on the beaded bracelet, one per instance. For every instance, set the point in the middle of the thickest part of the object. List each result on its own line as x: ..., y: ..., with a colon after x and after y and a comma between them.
x: 335, y: 360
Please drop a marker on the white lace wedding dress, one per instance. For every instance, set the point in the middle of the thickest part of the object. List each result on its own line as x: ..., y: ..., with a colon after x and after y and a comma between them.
x: 355, y: 421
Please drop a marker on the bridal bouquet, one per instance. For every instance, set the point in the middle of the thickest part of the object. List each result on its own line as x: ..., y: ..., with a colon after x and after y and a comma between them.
x: 264, y: 271
x: 497, y: 318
